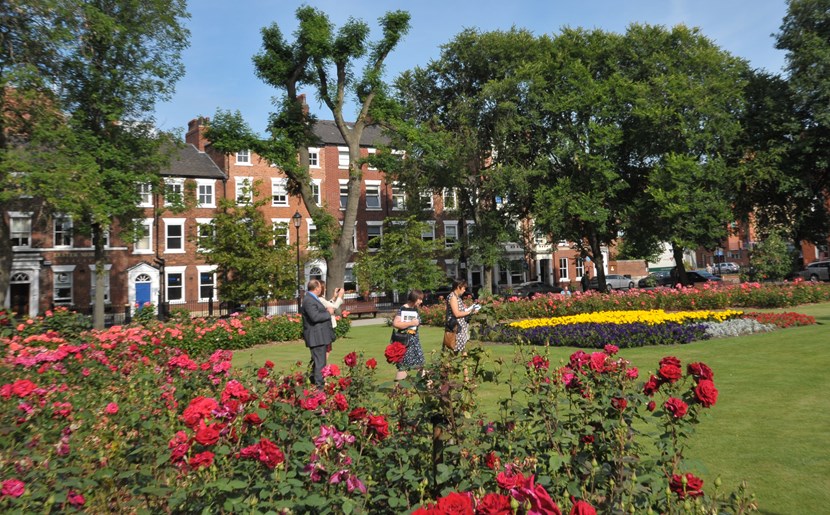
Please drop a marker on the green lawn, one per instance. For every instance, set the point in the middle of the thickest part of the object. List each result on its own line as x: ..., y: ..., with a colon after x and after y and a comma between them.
x: 771, y: 425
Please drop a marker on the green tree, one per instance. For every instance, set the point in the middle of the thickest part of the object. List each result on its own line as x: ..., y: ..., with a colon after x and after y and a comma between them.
x: 805, y: 35
x: 325, y: 60
x: 461, y: 122
x: 31, y: 38
x: 126, y: 57
x: 680, y: 137
x: 771, y: 260
x: 583, y: 100
x: 404, y: 260
x: 253, y: 260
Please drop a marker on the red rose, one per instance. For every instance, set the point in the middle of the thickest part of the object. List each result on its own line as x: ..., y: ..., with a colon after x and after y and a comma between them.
x: 509, y: 479
x: 579, y: 358
x: 494, y: 504
x: 587, y: 439
x: 270, y: 454
x: 611, y: 349
x: 539, y: 363
x: 670, y: 372
x: 676, y: 407
x: 670, y: 360
x: 700, y: 371
x: 340, y: 402
x: 357, y: 414
x: 651, y: 386
x: 253, y: 419
x: 651, y: 405
x: 619, y: 403
x: 207, y: 434
x: 262, y: 373
x: 202, y: 459
x: 199, y: 408
x: 540, y: 501
x: 371, y: 363
x: 706, y: 393
x: 269, y: 364
x: 429, y: 509
x: 234, y: 389
x: 344, y: 382
x: 492, y: 461
x: 13, y: 488
x: 455, y: 503
x: 692, y: 488
x: 75, y: 499
x: 379, y: 426
x: 599, y: 361
x: 350, y: 360
x: 583, y: 508
x: 23, y: 387
x: 394, y: 352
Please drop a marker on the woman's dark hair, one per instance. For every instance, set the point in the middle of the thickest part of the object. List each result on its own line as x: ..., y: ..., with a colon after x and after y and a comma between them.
x: 458, y: 283
x: 414, y: 295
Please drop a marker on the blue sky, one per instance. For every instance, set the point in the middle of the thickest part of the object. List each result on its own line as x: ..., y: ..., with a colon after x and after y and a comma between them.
x: 226, y: 34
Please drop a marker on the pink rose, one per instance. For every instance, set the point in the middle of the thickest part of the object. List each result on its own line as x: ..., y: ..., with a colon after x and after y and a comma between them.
x: 13, y: 488
x: 111, y: 409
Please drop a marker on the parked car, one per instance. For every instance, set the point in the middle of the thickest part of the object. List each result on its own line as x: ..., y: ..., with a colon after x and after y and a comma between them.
x: 529, y: 289
x: 702, y: 276
x: 659, y: 278
x: 816, y: 271
x: 612, y: 282
x: 727, y: 267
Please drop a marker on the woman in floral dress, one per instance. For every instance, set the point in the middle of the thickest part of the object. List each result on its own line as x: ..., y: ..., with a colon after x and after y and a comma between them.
x: 408, y: 320
x: 456, y: 309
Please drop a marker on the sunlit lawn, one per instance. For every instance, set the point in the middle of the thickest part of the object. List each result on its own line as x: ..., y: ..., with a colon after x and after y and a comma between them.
x: 771, y: 425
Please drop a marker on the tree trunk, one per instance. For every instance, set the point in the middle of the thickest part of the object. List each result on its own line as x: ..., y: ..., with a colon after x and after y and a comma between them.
x: 6, y: 257
x: 677, y: 252
x: 100, y: 282
x: 596, y: 250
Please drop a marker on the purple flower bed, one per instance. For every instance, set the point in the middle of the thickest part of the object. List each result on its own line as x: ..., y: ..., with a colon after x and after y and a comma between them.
x: 594, y: 335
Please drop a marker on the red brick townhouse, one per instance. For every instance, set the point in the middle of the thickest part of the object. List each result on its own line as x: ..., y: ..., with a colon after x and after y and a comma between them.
x: 52, y: 266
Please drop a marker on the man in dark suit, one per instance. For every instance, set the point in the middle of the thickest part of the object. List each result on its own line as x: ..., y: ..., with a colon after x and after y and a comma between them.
x: 317, y: 330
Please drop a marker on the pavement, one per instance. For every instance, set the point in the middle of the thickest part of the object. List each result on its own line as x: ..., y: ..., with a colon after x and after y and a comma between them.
x: 380, y: 319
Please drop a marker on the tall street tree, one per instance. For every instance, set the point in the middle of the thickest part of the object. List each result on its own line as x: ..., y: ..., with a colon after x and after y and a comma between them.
x: 583, y: 100
x: 325, y: 59
x: 460, y: 120
x: 32, y: 35
x: 805, y: 35
x: 680, y: 137
x: 125, y: 56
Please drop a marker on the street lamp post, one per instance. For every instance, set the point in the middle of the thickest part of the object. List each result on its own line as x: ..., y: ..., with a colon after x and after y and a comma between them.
x: 297, y: 219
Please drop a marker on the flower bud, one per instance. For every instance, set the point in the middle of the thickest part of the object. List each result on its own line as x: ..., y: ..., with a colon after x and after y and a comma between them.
x: 718, y: 482
x: 687, y: 505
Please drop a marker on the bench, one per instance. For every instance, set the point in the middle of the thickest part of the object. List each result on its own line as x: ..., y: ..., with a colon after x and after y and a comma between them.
x: 360, y: 308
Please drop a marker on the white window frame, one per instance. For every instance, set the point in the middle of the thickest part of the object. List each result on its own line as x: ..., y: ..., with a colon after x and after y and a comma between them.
x: 375, y: 186
x: 340, y: 154
x: 398, y: 197
x: 175, y: 270
x: 148, y: 223
x: 92, y: 283
x: 344, y: 183
x: 429, y: 234
x: 580, y: 267
x: 168, y: 224
x: 206, y: 183
x: 315, y: 163
x: 563, y: 269
x: 145, y: 192
x: 449, y: 193
x: 427, y: 199
x: 315, y: 191
x: 173, y: 187
x: 311, y: 229
x: 370, y: 152
x: 285, y: 222
x: 202, y: 222
x: 243, y: 158
x: 240, y: 184
x: 451, y: 268
x: 207, y: 269
x: 61, y: 273
x: 449, y: 242
x: 279, y: 192
x: 369, y: 236
x: 27, y: 218
x: 64, y: 220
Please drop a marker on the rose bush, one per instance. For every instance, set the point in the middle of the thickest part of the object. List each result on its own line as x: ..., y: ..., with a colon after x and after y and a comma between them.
x: 124, y: 420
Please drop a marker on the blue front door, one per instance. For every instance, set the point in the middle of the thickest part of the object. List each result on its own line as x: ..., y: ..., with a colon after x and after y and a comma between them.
x: 142, y: 294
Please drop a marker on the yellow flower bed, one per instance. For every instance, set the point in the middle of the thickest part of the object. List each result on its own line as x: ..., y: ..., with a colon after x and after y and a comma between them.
x: 651, y: 317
